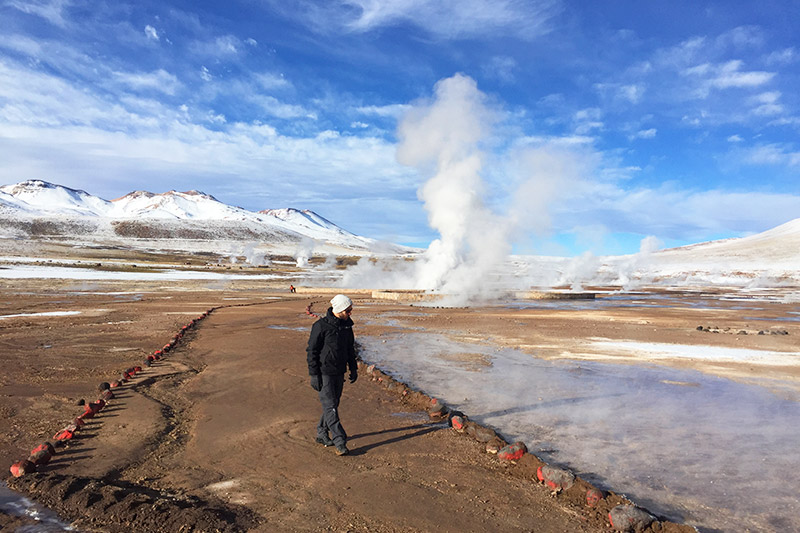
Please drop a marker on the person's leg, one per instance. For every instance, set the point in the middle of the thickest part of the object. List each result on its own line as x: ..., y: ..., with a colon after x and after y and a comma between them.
x: 329, y: 397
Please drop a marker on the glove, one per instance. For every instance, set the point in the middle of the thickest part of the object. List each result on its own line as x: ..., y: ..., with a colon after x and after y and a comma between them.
x: 316, y: 382
x: 353, y: 376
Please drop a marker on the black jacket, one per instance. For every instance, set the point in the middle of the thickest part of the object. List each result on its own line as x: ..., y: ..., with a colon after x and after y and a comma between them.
x: 331, y: 346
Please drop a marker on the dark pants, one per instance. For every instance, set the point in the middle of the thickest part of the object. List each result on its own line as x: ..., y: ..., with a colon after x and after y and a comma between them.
x: 329, y: 397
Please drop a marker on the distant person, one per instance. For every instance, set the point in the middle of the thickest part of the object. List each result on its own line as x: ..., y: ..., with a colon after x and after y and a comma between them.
x: 292, y: 289
x: 331, y: 350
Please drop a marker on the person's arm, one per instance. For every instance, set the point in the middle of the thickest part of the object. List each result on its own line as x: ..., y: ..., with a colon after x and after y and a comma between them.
x: 351, y: 359
x: 315, y: 342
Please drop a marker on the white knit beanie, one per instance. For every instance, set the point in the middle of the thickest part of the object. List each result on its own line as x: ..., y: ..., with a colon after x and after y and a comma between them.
x: 340, y: 302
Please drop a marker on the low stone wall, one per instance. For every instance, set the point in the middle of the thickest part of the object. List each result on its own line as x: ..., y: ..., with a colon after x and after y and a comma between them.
x: 554, y: 295
x: 333, y: 291
x: 406, y: 296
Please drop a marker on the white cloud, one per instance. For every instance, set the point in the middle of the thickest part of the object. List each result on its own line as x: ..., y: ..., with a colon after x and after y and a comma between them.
x: 742, y: 37
x: 725, y: 76
x: 205, y: 74
x: 268, y: 80
x: 631, y: 93
x: 500, y: 68
x: 671, y: 212
x: 52, y: 11
x: 786, y: 121
x: 274, y: 107
x: 735, y: 139
x: 391, y: 111
x: 646, y: 134
x: 143, y: 143
x: 729, y: 75
x: 21, y: 44
x: 159, y: 80
x: 151, y: 33
x: 445, y: 19
x: 772, y: 154
x: 587, y: 120
x: 767, y: 103
x: 781, y: 57
x: 222, y: 47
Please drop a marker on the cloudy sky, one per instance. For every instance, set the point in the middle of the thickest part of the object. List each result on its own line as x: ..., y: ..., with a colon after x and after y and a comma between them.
x: 672, y: 119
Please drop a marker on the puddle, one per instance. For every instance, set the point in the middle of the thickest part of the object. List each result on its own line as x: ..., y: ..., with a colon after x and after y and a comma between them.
x: 695, y: 448
x: 655, y: 350
x: 775, y: 319
x: 15, y: 504
x: 48, y: 313
x: 303, y: 328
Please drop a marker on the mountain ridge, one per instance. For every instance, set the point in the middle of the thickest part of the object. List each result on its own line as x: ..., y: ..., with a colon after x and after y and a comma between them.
x: 188, y: 215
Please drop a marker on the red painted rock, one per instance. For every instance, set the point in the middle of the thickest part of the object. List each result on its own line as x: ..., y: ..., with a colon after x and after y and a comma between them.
x: 437, y: 409
x: 88, y: 413
x: 512, y: 452
x: 20, y: 468
x: 594, y: 496
x: 97, y: 406
x: 107, y: 395
x: 115, y: 384
x: 555, y: 478
x: 457, y: 423
x: 629, y: 518
x: 42, y: 457
x: 137, y: 369
x: 78, y: 421
x: 63, y: 435
x: 125, y: 377
x: 151, y: 357
x: 44, y: 446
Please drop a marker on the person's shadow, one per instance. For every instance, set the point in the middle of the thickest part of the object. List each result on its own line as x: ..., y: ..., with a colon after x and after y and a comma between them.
x: 422, y: 429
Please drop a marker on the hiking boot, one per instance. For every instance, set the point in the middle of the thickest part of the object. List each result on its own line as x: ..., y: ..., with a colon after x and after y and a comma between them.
x: 325, y: 441
x: 341, y: 449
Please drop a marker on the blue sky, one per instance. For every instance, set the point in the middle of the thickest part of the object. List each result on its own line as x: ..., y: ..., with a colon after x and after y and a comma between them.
x: 681, y: 118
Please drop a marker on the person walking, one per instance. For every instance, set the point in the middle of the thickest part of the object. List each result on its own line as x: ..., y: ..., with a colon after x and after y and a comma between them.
x: 331, y: 350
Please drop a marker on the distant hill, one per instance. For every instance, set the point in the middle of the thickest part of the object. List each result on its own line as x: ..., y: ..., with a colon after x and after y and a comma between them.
x: 178, y: 220
x: 777, y: 245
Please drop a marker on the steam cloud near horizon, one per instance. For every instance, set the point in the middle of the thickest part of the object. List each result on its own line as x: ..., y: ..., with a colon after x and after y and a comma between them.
x: 444, y: 139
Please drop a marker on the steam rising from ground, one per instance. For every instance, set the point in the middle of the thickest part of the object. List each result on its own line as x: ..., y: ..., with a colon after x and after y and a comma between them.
x: 445, y: 139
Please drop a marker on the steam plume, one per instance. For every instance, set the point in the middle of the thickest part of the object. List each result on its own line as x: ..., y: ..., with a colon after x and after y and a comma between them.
x: 443, y: 138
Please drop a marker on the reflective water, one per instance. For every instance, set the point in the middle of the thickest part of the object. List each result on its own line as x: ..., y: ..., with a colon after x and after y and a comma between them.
x: 694, y: 448
x: 15, y: 504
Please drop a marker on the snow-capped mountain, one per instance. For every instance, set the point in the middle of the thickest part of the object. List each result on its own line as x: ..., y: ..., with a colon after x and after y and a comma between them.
x: 779, y: 244
x: 190, y: 215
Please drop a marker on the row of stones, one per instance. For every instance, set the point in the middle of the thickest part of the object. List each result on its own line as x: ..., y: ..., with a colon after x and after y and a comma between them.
x: 623, y: 517
x: 43, y: 453
x: 715, y: 329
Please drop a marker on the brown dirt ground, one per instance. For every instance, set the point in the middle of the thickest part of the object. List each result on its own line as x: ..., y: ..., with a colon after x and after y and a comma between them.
x: 218, y: 436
